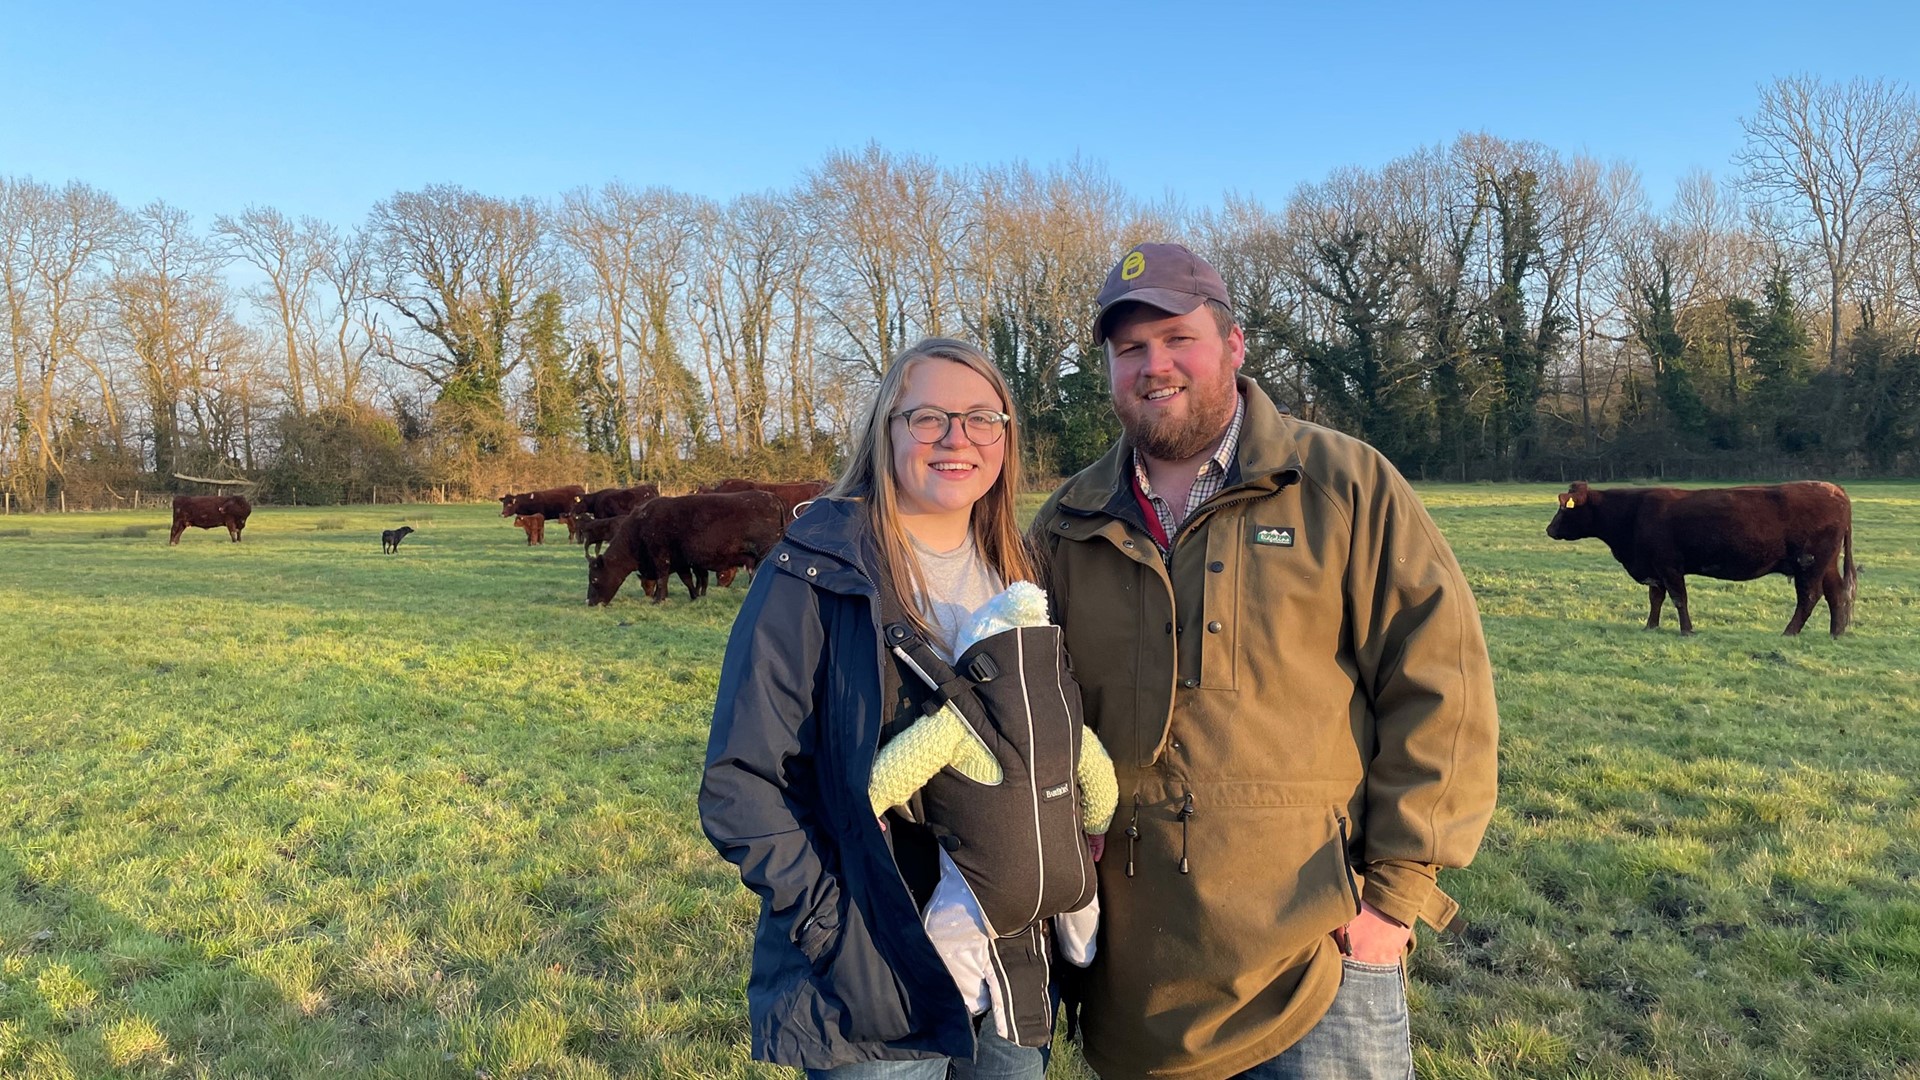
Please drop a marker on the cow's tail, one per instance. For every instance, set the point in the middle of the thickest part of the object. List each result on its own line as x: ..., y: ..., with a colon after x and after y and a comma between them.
x: 1853, y: 580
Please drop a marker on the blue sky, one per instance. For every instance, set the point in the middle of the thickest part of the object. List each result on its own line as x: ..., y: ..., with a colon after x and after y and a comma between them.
x: 325, y: 109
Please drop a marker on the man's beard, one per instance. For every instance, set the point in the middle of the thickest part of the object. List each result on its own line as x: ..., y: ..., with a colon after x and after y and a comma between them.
x: 1179, y: 438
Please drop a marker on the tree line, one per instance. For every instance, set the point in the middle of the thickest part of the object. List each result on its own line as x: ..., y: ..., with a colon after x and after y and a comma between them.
x: 1485, y: 309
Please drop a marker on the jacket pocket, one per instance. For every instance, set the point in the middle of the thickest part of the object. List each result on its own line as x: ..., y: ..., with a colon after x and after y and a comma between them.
x: 1267, y: 881
x: 819, y: 930
x: 860, y: 997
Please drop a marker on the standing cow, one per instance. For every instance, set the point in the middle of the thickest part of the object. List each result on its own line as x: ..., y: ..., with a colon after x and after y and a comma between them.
x: 1660, y: 535
x: 209, y: 512
x: 791, y: 494
x: 687, y: 535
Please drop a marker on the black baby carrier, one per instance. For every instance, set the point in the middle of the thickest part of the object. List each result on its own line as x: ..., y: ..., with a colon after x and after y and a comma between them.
x: 1020, y: 842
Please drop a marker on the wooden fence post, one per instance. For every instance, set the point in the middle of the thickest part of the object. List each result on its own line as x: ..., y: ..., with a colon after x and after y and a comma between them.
x: 63, y: 500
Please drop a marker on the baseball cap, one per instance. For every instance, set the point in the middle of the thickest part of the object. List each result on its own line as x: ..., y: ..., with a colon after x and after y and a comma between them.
x: 1165, y: 276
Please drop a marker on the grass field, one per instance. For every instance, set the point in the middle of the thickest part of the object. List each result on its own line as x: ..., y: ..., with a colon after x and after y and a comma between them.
x: 293, y: 808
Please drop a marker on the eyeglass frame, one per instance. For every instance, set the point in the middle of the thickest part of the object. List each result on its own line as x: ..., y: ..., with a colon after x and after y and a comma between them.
x: 1000, y: 428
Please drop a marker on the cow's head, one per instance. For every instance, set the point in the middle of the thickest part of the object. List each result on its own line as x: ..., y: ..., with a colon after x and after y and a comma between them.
x: 506, y: 504
x: 598, y: 581
x: 1573, y: 516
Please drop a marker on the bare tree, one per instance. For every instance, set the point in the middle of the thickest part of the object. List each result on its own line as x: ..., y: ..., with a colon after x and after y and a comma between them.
x: 354, y: 330
x: 461, y: 269
x: 290, y: 254
x: 194, y: 359
x: 54, y: 245
x: 1598, y: 200
x: 883, y: 228
x: 1822, y: 155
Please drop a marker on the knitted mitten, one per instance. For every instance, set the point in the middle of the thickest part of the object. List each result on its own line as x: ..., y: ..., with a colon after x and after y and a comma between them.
x: 1099, y: 791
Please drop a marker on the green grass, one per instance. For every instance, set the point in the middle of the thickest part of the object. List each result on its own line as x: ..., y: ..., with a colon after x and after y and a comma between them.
x: 294, y: 808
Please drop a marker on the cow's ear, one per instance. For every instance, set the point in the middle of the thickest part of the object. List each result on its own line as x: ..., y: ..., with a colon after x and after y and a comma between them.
x: 1566, y: 501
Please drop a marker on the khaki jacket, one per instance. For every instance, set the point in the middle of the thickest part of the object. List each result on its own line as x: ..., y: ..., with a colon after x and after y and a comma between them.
x: 1300, y: 711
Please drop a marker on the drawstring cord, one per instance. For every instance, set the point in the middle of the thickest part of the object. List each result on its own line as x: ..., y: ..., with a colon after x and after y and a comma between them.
x: 1133, y: 832
x: 1186, y: 815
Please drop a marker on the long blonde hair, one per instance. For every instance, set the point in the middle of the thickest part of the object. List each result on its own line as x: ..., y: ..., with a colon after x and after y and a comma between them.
x: 869, y: 478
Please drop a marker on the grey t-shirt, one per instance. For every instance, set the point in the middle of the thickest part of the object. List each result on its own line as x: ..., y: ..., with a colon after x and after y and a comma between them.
x: 958, y: 582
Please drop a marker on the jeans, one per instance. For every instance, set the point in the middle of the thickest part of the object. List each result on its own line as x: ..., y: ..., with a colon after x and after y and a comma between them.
x: 1364, y: 1035
x: 994, y: 1059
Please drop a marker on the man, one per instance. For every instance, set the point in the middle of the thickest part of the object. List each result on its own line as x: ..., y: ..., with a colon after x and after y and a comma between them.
x: 1279, y: 651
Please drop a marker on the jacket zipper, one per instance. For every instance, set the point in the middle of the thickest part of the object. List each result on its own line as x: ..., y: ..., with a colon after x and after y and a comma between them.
x: 1346, y: 868
x: 1133, y: 831
x: 1186, y: 815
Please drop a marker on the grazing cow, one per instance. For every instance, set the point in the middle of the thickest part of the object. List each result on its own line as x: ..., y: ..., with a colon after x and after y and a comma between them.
x: 614, y: 501
x: 535, y: 526
x: 594, y: 532
x: 390, y: 538
x: 209, y: 512
x: 791, y: 494
x: 688, y: 535
x: 1737, y: 534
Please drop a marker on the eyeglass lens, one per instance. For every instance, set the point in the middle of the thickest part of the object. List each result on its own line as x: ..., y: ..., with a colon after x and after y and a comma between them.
x: 983, y: 426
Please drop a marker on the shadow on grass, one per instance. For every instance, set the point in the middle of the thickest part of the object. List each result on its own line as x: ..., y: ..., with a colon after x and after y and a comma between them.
x: 88, y: 992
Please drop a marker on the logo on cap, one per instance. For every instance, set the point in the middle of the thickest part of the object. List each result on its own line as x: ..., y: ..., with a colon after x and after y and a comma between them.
x: 1133, y: 267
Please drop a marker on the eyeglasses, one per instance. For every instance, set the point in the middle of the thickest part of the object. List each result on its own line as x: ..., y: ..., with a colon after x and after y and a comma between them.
x: 930, y: 425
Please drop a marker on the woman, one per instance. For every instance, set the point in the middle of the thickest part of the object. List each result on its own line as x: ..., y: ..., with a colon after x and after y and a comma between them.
x: 846, y: 982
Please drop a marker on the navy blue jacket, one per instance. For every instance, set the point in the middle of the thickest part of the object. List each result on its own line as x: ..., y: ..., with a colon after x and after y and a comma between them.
x: 842, y: 968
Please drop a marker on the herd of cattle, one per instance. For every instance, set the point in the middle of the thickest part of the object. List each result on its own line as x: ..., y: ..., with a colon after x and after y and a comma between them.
x: 1659, y: 535
x: 720, y: 529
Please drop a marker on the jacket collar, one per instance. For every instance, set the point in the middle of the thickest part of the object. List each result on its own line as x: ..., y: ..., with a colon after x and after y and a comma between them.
x: 1267, y: 451
x: 831, y: 537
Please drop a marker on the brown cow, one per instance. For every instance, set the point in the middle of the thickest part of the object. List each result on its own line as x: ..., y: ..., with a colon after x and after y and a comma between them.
x: 791, y: 494
x: 687, y: 535
x: 549, y: 503
x: 614, y: 501
x: 594, y: 532
x: 209, y: 512
x: 1660, y: 535
x: 535, y: 526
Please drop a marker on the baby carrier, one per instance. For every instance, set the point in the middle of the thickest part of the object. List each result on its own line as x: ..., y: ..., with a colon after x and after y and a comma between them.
x: 1018, y: 845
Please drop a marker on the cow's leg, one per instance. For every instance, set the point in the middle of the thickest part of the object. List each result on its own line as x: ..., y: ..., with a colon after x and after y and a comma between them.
x: 1806, y: 592
x: 1656, y: 598
x: 1677, y: 586
x: 1839, y: 605
x: 179, y: 526
x: 686, y: 578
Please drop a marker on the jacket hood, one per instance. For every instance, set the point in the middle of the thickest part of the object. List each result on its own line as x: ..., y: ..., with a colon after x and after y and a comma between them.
x: 1267, y: 449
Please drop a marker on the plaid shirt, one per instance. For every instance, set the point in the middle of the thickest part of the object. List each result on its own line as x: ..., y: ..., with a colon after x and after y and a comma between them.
x: 1212, y: 476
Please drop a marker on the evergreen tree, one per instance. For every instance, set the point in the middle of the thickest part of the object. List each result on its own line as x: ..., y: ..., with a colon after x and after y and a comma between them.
x: 553, y: 396
x: 1777, y: 345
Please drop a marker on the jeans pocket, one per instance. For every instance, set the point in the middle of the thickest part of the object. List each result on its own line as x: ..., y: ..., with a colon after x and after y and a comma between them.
x: 1373, y: 993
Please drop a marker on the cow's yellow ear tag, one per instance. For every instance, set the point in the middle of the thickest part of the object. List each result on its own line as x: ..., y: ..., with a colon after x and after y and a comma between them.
x: 1569, y: 502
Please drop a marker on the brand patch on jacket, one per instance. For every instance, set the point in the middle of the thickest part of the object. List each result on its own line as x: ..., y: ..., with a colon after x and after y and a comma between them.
x: 1056, y: 791
x: 1273, y: 535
